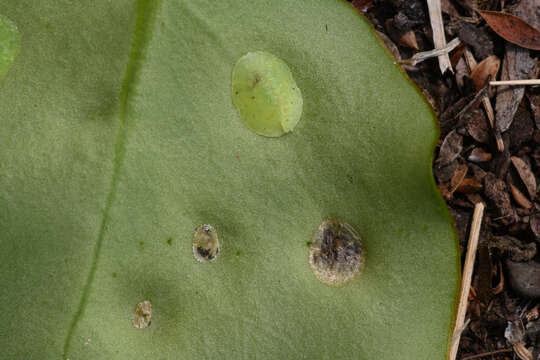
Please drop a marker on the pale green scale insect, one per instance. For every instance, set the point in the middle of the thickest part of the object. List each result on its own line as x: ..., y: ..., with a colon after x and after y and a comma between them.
x: 9, y: 44
x: 265, y: 94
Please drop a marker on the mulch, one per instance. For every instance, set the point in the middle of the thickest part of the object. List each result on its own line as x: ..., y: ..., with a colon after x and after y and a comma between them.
x: 477, y: 162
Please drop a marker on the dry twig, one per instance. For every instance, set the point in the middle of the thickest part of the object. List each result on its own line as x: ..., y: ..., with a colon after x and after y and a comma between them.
x: 437, y: 26
x: 466, y: 279
x: 424, y: 55
x: 478, y: 356
x: 515, y: 82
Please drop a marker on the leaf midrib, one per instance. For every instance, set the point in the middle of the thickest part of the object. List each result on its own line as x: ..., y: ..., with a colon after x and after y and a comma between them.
x: 145, y: 18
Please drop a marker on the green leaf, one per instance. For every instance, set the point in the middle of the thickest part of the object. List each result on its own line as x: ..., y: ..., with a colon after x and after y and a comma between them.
x: 119, y: 138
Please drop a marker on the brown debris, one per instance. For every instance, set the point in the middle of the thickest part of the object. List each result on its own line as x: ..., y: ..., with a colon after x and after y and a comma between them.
x: 501, y: 163
x: 450, y: 148
x: 483, y: 273
x: 524, y: 277
x: 445, y: 173
x: 500, y: 285
x: 474, y: 198
x: 534, y: 101
x: 517, y: 65
x: 522, y: 129
x: 462, y: 220
x: 437, y: 31
x: 362, y: 5
x: 479, y: 155
x: 477, y: 126
x: 520, y: 199
x: 522, y: 352
x: 513, y: 247
x: 478, y: 173
x: 457, y: 178
x: 495, y: 190
x: 512, y: 28
x: 389, y: 45
x: 526, y: 175
x: 535, y: 226
x: 486, y: 69
x: 468, y: 186
x: 533, y: 313
x: 410, y: 13
x: 448, y: 8
x: 408, y: 39
x: 405, y: 38
x: 476, y: 38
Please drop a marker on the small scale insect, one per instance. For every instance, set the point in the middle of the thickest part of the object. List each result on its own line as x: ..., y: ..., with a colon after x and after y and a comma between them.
x: 265, y: 94
x: 143, y: 315
x: 336, y: 254
x: 205, y: 244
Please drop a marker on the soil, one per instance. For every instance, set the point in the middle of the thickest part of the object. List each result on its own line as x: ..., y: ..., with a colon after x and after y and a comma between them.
x: 475, y: 161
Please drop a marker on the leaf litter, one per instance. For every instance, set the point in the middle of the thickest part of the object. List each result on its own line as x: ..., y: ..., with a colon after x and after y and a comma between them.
x: 470, y: 167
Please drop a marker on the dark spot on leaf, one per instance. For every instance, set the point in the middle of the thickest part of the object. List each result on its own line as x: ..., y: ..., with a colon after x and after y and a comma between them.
x: 143, y: 315
x: 336, y: 254
x: 206, y: 245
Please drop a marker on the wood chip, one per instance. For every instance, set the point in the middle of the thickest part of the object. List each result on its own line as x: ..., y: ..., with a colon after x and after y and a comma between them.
x: 535, y: 226
x: 476, y: 38
x: 474, y: 198
x: 403, y: 38
x: 486, y: 69
x: 477, y: 126
x: 478, y: 173
x: 408, y: 39
x: 524, y: 277
x: 471, y: 62
x: 517, y: 65
x: 522, y: 352
x: 450, y: 148
x: 468, y: 186
x: 496, y: 191
x: 457, y: 178
x: 445, y: 173
x: 479, y: 155
x: 522, y: 129
x: 520, y: 199
x: 514, y: 248
x: 483, y: 273
x: 534, y: 101
x: 526, y: 175
x: 448, y: 8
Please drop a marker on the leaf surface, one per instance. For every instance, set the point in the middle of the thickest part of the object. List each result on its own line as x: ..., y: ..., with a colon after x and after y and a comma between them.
x: 119, y: 138
x: 9, y: 44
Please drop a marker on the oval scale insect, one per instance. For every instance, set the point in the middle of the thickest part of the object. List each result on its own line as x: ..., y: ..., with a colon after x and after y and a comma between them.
x: 265, y: 94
